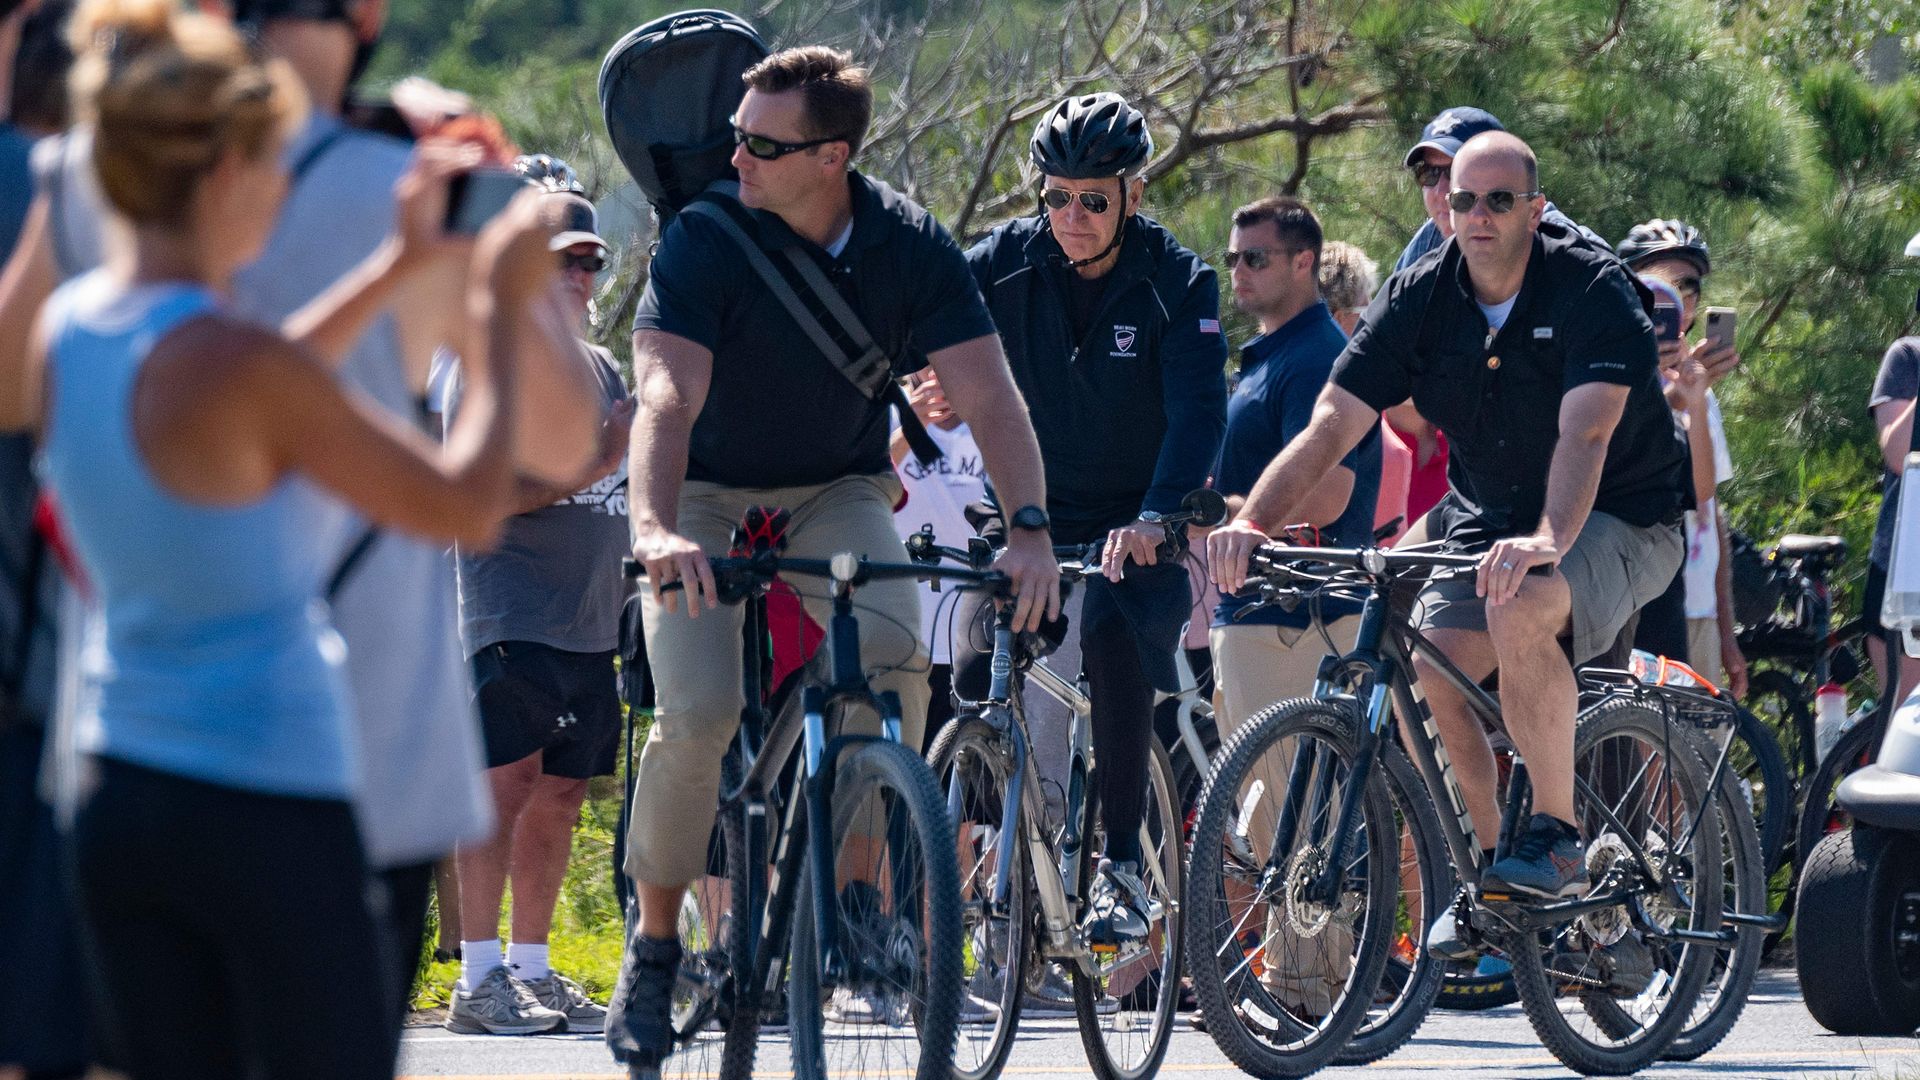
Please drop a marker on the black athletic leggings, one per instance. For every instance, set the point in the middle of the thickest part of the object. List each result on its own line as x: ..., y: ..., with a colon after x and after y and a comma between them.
x: 230, y: 933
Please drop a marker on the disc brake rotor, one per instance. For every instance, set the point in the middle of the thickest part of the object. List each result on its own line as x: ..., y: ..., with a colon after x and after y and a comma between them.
x: 1305, y: 917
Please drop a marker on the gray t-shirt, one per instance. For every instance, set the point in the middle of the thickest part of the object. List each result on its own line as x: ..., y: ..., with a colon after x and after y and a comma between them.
x: 554, y: 577
x: 1899, y: 380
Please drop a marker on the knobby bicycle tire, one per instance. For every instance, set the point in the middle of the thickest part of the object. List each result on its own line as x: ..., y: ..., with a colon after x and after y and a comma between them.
x: 917, y: 816
x: 1215, y: 956
x: 1745, y: 885
x: 1640, y: 1043
x: 960, y: 740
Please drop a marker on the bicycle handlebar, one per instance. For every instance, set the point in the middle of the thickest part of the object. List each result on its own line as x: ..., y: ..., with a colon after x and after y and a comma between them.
x: 734, y: 574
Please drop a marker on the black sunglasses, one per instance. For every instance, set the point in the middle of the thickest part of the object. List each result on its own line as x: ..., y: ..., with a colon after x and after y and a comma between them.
x: 769, y: 149
x: 1498, y: 202
x: 1427, y: 175
x: 1058, y: 199
x: 1257, y: 258
x: 591, y: 261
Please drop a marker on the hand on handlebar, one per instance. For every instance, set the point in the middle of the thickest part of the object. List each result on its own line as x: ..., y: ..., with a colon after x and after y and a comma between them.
x: 1505, y: 566
x: 1028, y: 562
x: 1139, y: 541
x: 666, y: 557
x: 1229, y: 548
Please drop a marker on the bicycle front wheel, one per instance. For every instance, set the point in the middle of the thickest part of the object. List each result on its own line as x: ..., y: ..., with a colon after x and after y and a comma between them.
x: 717, y: 1030
x: 885, y: 1001
x: 1126, y: 1008
x: 970, y: 757
x: 1608, y: 991
x: 1285, y: 973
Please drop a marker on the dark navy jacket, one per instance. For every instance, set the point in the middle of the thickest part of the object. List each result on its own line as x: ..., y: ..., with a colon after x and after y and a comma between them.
x: 1130, y: 417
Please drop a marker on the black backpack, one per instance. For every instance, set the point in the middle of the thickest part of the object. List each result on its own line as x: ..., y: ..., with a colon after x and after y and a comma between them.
x: 668, y: 91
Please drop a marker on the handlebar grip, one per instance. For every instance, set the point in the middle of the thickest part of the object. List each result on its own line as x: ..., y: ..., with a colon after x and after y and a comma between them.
x: 633, y: 571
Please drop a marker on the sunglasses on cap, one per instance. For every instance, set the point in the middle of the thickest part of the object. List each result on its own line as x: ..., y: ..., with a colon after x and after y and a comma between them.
x: 1498, y: 202
x: 1429, y: 175
x: 767, y: 148
x: 1058, y: 199
x: 1257, y: 258
x: 591, y: 261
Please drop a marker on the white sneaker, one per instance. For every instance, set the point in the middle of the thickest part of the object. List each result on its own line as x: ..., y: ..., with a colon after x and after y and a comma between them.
x: 501, y: 1005
x: 564, y: 996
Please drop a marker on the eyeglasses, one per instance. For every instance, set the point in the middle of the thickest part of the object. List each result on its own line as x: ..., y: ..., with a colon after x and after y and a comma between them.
x: 1058, y: 199
x: 1427, y: 174
x: 1498, y: 202
x: 592, y: 261
x: 771, y: 149
x: 1258, y: 258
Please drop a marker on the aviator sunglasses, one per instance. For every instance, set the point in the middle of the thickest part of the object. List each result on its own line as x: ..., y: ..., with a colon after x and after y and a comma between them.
x: 1058, y: 199
x: 1498, y: 202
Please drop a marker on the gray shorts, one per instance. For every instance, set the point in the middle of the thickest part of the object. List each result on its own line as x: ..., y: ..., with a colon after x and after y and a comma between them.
x: 1613, y: 570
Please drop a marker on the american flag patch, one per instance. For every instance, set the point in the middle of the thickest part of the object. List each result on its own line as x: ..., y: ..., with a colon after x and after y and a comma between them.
x: 1209, y: 326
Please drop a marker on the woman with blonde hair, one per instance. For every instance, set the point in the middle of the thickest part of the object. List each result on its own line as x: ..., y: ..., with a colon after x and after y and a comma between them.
x: 197, y: 458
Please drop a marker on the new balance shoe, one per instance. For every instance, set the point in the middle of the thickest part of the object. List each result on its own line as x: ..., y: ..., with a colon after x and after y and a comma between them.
x: 1546, y: 861
x: 501, y: 1005
x: 1444, y: 939
x: 850, y: 1006
x: 564, y: 996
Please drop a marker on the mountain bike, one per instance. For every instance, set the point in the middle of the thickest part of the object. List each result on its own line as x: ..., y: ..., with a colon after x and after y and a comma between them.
x: 1024, y: 874
x: 839, y: 882
x: 1298, y: 845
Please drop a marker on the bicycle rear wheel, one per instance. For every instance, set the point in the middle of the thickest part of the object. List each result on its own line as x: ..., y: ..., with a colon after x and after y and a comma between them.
x: 1284, y: 976
x: 970, y: 759
x: 1744, y: 884
x: 887, y: 1004
x: 1575, y: 980
x: 1128, y: 1043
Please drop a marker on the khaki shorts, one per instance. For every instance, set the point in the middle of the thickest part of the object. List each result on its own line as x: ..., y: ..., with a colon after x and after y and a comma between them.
x: 1613, y: 570
x: 1255, y: 666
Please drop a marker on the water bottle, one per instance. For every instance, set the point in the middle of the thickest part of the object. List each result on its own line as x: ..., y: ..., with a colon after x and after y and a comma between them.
x: 1830, y: 719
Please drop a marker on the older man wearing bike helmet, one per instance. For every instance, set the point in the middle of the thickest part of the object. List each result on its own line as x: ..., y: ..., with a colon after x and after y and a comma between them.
x: 1531, y: 347
x: 1113, y: 332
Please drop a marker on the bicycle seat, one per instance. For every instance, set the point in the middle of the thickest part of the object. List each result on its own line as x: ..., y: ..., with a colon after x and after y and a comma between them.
x: 1800, y: 545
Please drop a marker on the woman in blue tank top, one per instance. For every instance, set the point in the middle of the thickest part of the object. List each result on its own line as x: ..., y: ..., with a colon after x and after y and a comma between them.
x: 219, y: 872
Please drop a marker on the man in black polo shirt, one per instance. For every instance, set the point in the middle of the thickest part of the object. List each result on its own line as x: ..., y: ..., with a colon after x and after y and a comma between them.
x: 1533, y: 351
x: 738, y: 409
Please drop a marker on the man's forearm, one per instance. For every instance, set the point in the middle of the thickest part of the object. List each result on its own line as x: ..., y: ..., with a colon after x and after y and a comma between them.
x: 1573, y: 479
x: 1723, y: 576
x: 657, y: 466
x: 1011, y: 453
x: 1285, y: 483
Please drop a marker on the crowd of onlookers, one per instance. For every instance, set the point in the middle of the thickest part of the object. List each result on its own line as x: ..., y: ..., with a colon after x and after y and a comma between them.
x: 255, y: 715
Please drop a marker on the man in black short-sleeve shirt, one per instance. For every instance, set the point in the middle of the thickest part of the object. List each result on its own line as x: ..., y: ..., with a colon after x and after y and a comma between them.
x: 738, y: 408
x: 1533, y: 351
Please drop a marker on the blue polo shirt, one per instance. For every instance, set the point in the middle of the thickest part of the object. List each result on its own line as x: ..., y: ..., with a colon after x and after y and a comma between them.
x: 1281, y: 376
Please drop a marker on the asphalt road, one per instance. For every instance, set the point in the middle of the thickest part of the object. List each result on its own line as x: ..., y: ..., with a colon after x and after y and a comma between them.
x: 1774, y: 1038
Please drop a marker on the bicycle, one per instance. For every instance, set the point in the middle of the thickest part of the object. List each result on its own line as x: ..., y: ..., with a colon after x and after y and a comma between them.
x: 1329, y: 906
x: 865, y: 908
x: 1024, y: 875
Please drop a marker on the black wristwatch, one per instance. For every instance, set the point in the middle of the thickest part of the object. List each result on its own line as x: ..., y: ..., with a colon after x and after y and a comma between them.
x: 1030, y: 519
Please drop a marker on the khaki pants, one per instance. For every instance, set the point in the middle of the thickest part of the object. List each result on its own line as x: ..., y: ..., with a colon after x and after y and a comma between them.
x: 1255, y: 666
x: 697, y: 662
x: 1703, y: 650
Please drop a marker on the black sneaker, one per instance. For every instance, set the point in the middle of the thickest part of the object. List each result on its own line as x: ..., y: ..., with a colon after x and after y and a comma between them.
x: 1546, y: 861
x: 639, y: 1019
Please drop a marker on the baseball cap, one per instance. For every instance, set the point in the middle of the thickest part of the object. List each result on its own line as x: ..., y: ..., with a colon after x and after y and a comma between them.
x: 580, y: 223
x: 1448, y: 131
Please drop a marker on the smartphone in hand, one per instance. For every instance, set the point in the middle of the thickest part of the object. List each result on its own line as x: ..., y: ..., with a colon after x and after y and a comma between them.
x: 1666, y: 322
x: 473, y: 198
x: 1720, y: 326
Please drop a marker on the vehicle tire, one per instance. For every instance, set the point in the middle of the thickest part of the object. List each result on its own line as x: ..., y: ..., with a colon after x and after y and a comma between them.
x: 1857, y: 975
x: 1465, y: 991
x: 1413, y: 979
x: 1303, y: 752
x: 1129, y: 1043
x: 900, y: 933
x: 1744, y: 883
x: 1649, y: 777
x: 971, y: 761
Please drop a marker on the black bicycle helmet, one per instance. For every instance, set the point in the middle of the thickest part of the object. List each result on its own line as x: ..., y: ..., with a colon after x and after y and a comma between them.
x: 549, y: 172
x: 1089, y: 137
x: 1665, y: 238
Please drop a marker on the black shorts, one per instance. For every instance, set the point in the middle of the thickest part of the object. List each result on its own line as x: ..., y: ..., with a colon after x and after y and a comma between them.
x: 564, y: 706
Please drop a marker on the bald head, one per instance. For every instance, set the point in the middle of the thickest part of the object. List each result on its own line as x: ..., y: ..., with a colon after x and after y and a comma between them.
x: 1503, y: 152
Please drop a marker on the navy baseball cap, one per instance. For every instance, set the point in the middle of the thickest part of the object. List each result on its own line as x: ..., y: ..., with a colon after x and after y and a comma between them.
x: 1451, y: 129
